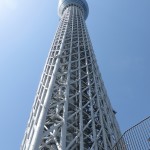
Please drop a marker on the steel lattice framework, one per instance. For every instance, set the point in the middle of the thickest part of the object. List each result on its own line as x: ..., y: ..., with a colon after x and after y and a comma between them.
x: 71, y: 110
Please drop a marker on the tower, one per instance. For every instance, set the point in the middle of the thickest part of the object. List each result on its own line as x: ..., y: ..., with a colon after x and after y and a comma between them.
x: 71, y: 110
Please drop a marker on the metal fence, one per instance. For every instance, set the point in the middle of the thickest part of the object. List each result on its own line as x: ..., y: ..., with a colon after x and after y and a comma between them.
x: 136, y: 138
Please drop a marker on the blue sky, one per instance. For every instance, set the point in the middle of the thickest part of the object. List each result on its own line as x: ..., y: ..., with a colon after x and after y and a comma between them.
x: 120, y: 33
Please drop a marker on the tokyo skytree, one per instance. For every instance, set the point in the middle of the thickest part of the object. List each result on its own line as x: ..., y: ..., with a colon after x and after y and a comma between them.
x: 71, y: 110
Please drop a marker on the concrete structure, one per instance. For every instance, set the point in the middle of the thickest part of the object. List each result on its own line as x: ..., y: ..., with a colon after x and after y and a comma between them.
x: 71, y: 110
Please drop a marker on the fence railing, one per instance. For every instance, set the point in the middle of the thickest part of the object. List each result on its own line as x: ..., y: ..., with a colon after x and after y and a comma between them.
x: 135, y: 138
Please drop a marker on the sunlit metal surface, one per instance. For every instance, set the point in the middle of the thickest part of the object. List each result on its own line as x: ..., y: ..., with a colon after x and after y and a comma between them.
x: 80, y: 3
x: 71, y: 110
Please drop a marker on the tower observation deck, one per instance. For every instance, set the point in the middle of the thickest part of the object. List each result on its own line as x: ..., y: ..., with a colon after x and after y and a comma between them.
x: 71, y: 110
x: 63, y: 4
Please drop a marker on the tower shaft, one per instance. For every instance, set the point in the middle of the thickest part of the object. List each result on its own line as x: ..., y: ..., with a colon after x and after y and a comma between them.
x: 71, y: 110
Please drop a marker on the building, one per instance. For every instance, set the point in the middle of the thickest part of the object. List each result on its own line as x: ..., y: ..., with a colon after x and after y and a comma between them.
x: 71, y: 110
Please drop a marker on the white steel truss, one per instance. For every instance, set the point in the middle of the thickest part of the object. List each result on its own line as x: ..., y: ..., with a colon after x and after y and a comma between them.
x: 71, y: 110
